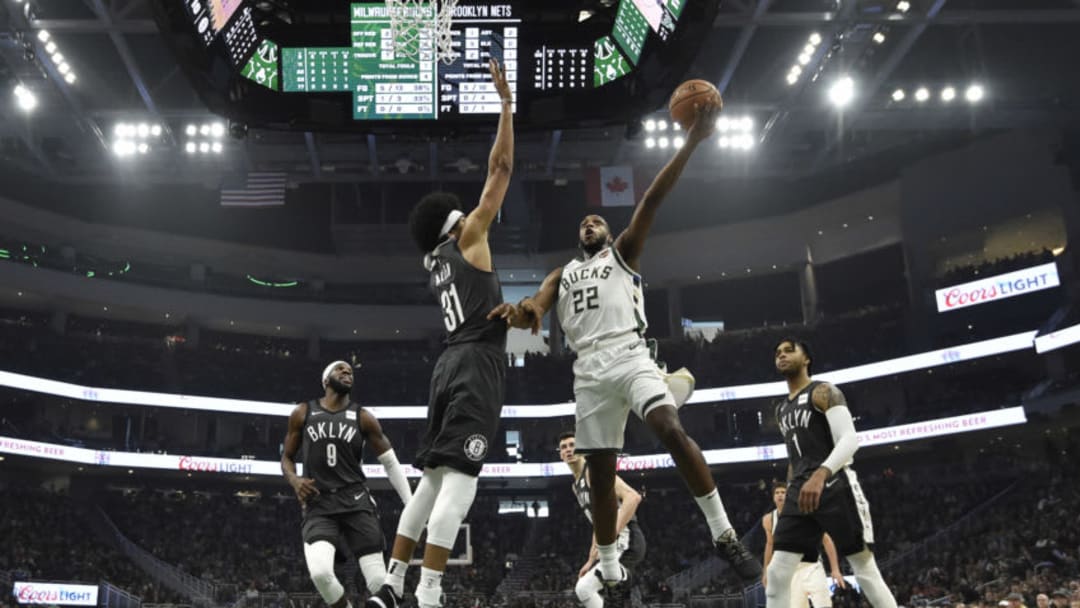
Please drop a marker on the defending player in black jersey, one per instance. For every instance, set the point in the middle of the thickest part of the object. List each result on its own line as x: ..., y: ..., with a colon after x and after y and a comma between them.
x: 469, y: 380
x: 329, y: 435
x: 821, y: 441
x: 630, y: 541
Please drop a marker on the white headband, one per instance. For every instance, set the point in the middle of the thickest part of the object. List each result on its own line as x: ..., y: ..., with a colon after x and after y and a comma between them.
x: 330, y: 368
x: 451, y: 221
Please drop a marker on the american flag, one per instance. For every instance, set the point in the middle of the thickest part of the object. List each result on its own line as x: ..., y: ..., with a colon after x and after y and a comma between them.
x: 264, y: 189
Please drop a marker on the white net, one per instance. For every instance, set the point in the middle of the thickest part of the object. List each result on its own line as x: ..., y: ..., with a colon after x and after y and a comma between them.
x: 421, y: 29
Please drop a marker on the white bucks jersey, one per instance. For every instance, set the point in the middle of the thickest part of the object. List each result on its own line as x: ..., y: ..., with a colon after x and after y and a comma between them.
x: 600, y: 298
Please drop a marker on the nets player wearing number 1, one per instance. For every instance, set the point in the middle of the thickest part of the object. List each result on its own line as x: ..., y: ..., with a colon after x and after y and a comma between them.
x: 469, y: 380
x: 820, y: 438
x: 329, y: 434
x: 600, y: 304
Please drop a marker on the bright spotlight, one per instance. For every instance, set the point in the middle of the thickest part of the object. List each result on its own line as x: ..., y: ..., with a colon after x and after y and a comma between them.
x: 747, y: 124
x: 678, y: 142
x: 124, y: 148
x: 974, y: 93
x: 724, y: 142
x: 204, y: 147
x: 661, y: 125
x: 815, y: 39
x: 898, y: 95
x: 650, y: 143
x: 144, y: 148
x: 722, y: 124
x: 922, y: 94
x: 879, y: 37
x: 792, y: 77
x: 204, y: 130
x: 217, y: 129
x: 842, y: 91
x: 63, y: 68
x: 808, y: 49
x: 650, y: 125
x: 43, y: 35
x: 119, y: 129
x: 58, y: 58
x: 25, y: 98
x: 143, y: 130
x: 948, y: 94
x: 191, y: 130
x: 216, y: 147
x: 804, y: 59
x: 663, y: 143
x: 70, y: 78
x: 155, y: 130
x: 903, y: 6
x: 190, y: 147
x: 50, y: 47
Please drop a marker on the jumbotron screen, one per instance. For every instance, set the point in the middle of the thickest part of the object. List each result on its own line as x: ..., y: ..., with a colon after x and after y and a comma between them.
x: 345, y: 54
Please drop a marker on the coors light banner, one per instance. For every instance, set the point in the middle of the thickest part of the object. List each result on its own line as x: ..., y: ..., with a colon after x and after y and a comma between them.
x: 55, y: 594
x: 998, y: 287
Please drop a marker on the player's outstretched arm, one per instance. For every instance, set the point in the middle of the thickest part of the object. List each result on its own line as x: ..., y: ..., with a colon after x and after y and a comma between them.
x: 474, y: 236
x: 629, y: 499
x: 529, y: 313
x: 834, y: 561
x: 304, y: 488
x: 631, y: 242
x: 372, y: 431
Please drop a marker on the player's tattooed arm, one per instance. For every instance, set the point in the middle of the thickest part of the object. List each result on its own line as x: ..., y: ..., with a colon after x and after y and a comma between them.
x: 827, y: 395
x: 529, y: 313
x: 304, y: 487
x: 631, y: 242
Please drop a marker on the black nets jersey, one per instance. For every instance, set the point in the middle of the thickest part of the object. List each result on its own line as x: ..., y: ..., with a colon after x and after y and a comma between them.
x: 466, y: 295
x: 806, y: 433
x: 332, y: 447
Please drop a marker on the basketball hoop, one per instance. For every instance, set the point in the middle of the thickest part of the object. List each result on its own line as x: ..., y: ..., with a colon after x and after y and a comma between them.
x: 421, y: 29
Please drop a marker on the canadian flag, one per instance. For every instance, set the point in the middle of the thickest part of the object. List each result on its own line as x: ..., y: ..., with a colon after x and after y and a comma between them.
x: 610, y: 186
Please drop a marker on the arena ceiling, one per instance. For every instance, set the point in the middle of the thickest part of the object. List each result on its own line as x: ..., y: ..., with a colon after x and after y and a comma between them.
x: 1020, y: 53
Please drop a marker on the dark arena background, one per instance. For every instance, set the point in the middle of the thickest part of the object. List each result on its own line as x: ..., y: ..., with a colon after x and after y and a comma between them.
x: 204, y: 202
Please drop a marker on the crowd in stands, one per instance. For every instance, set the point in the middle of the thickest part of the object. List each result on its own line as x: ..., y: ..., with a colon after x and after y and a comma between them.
x: 989, y: 268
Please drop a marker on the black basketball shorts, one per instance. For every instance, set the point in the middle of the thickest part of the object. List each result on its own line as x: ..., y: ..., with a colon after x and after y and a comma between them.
x: 468, y: 387
x: 843, y: 513
x: 358, y: 527
x: 635, y: 551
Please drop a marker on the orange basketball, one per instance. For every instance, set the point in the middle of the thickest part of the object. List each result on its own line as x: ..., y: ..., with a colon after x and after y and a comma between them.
x: 687, y: 95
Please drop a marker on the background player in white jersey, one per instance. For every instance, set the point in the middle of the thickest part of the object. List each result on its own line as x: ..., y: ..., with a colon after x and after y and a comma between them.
x: 821, y: 441
x: 630, y: 539
x: 601, y: 308
x: 809, y: 580
x: 469, y: 380
x: 329, y: 435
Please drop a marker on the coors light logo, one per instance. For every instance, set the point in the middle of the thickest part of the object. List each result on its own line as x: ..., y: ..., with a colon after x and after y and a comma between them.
x: 215, y: 465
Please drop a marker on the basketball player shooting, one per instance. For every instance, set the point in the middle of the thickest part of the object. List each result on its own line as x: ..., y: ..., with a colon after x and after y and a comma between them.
x: 821, y: 442
x: 469, y: 380
x: 809, y: 579
x: 630, y: 541
x: 329, y: 433
x: 601, y: 308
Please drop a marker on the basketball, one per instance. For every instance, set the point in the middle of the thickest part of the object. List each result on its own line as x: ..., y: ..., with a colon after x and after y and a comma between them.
x: 689, y: 94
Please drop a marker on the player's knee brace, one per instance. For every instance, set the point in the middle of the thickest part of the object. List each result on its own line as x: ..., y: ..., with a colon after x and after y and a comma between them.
x: 319, y: 556
x: 781, y: 570
x: 455, y: 498
x: 870, y: 580
x: 373, y: 568
x: 415, y: 514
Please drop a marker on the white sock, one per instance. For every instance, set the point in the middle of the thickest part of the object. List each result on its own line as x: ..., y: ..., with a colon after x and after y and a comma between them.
x: 713, y: 509
x: 870, y: 580
x: 429, y: 591
x: 781, y: 571
x: 395, y: 576
x: 588, y: 589
x: 609, y: 562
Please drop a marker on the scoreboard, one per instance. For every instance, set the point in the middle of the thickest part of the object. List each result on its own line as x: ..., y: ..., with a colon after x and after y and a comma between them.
x: 343, y: 56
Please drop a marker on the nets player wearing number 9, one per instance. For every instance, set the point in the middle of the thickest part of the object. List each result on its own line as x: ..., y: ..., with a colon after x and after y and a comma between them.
x: 821, y: 441
x: 469, y: 380
x: 600, y: 303
x: 329, y: 435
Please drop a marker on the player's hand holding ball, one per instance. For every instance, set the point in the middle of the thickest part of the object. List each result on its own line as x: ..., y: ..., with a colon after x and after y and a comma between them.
x: 498, y: 77
x: 695, y: 105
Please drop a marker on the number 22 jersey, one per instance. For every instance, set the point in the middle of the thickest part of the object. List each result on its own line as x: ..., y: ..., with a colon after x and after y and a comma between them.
x: 600, y: 298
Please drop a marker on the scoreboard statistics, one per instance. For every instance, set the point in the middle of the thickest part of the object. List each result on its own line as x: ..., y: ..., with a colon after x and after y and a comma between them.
x: 354, y: 63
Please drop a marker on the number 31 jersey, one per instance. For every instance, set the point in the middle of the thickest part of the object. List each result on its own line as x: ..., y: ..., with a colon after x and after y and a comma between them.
x: 466, y: 295
x: 600, y: 298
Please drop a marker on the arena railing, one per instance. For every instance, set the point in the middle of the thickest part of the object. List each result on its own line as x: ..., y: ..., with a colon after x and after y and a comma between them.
x: 869, y: 371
